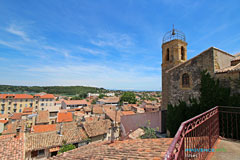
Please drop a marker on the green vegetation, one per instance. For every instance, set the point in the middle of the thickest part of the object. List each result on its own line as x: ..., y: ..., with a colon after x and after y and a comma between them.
x: 129, y: 97
x: 79, y: 96
x: 212, y: 94
x: 62, y: 90
x: 66, y: 147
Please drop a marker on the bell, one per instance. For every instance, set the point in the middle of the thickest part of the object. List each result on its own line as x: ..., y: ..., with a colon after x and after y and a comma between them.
x: 173, y: 32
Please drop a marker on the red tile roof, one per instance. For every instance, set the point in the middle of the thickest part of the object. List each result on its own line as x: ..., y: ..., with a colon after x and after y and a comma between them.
x: 42, y: 117
x: 27, y: 110
x: 97, y: 128
x: 11, y: 148
x: 3, y: 121
x: 75, y: 102
x: 97, y: 110
x: 125, y: 113
x: 128, y: 149
x: 16, y: 116
x: 50, y: 96
x: 44, y: 128
x: 65, y: 117
x: 16, y: 96
x: 112, y: 115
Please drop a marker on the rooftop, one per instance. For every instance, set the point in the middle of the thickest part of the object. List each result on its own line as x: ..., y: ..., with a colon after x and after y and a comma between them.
x: 65, y: 117
x: 128, y: 149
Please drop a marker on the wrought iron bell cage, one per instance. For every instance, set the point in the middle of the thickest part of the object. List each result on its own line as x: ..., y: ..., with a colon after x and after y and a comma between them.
x: 173, y: 34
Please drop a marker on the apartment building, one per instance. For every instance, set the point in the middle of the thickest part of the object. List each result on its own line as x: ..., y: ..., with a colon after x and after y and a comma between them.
x: 15, y: 103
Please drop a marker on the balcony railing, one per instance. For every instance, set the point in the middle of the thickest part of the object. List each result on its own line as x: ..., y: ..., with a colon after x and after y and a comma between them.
x: 199, y: 132
x: 195, y: 137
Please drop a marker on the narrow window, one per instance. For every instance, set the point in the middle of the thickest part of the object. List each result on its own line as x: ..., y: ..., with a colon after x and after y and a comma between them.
x: 185, y: 80
x: 182, y: 53
x: 167, y: 57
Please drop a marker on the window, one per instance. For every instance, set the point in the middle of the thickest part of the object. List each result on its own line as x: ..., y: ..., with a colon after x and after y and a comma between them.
x: 9, y: 108
x: 25, y: 105
x: 185, y: 80
x: 41, y: 152
x: 26, y: 100
x: 20, y: 110
x: 167, y: 57
x: 9, y: 103
x: 20, y: 105
x: 182, y: 53
x: 14, y: 110
x: 42, y: 104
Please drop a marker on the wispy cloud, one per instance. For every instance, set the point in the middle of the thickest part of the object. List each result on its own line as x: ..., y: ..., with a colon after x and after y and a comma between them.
x: 16, y: 31
x: 91, y: 51
x: 117, y: 40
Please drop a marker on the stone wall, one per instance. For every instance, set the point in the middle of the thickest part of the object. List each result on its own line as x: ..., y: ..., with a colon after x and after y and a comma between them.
x: 193, y: 67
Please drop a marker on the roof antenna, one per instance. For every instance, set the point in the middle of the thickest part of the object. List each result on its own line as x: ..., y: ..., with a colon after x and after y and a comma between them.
x: 173, y: 31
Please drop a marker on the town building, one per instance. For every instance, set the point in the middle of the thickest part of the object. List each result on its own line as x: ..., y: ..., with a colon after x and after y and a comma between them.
x: 15, y: 103
x: 181, y: 77
x: 109, y: 101
x: 71, y: 104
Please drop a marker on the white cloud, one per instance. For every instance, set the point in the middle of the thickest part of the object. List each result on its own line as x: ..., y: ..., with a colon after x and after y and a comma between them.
x: 16, y: 31
x: 91, y: 51
x: 116, y: 40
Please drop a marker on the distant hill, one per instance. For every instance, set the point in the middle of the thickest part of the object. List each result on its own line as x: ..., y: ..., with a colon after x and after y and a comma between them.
x: 62, y: 90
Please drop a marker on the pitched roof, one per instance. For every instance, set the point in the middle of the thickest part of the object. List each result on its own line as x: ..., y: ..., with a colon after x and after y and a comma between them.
x: 110, y: 100
x: 128, y: 149
x: 126, y: 108
x: 3, y: 121
x: 11, y: 127
x: 125, y: 113
x: 11, y: 147
x: 75, y: 102
x: 87, y: 109
x: 42, y: 117
x: 16, y: 116
x: 97, y: 110
x: 229, y: 69
x: 50, y: 96
x: 112, y: 115
x: 44, y: 128
x: 151, y: 106
x: 91, y: 119
x: 4, y: 116
x: 16, y: 96
x: 38, y: 141
x: 27, y: 110
x: 97, y: 128
x: 64, y: 117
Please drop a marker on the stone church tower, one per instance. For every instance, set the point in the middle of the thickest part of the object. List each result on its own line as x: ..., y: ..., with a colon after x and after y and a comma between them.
x: 174, y: 52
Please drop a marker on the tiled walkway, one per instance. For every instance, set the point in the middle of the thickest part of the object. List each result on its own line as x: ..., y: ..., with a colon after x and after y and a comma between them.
x: 228, y: 150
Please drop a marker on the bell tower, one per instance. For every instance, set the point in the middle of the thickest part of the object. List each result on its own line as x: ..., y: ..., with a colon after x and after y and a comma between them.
x: 174, y: 52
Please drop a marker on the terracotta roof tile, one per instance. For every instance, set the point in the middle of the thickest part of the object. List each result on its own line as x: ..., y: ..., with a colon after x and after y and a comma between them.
x: 44, y: 128
x: 128, y: 149
x: 27, y: 110
x: 98, y: 110
x: 38, y: 141
x: 87, y: 109
x: 97, y: 128
x: 3, y: 121
x: 42, y: 117
x: 65, y: 117
x: 112, y: 115
x: 229, y: 69
x: 75, y: 102
x: 11, y: 148
x: 16, y: 116
x: 50, y: 96
x: 125, y: 113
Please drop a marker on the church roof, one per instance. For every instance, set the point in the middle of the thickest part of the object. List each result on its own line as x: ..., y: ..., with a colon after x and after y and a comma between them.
x: 229, y: 69
x: 197, y: 57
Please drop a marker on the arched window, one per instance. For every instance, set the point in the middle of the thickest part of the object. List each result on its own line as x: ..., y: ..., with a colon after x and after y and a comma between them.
x: 167, y: 57
x: 182, y: 53
x: 185, y: 81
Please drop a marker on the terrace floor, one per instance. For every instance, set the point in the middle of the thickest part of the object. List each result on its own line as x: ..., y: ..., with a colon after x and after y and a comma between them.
x: 227, y: 150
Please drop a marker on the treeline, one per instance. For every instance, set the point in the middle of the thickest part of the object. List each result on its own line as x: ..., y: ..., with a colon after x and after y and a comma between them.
x: 62, y: 90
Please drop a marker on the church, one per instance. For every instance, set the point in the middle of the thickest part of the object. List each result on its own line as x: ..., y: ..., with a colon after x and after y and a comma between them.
x: 181, y: 77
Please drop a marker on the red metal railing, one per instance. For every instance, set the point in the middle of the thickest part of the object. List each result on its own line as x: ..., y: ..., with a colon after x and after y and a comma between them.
x: 200, y: 132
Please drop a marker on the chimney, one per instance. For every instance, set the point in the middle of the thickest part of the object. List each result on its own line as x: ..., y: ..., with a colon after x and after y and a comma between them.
x: 17, y: 132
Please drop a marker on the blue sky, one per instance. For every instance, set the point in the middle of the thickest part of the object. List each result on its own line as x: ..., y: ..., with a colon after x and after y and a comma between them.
x: 106, y: 43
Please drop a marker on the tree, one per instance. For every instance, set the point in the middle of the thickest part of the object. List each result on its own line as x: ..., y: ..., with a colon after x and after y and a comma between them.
x: 66, y: 147
x: 129, y: 97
